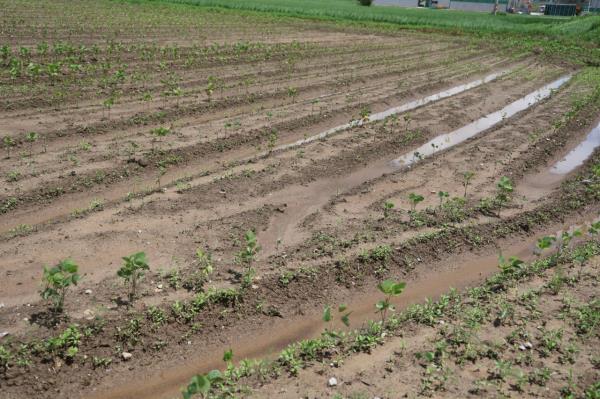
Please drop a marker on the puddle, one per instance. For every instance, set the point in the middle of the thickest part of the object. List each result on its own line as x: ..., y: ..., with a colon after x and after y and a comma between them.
x: 537, y: 185
x: 396, y: 110
x: 579, y: 154
x: 451, y: 139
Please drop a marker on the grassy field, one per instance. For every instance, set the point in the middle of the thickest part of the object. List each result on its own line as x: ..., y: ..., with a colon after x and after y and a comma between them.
x: 583, y: 29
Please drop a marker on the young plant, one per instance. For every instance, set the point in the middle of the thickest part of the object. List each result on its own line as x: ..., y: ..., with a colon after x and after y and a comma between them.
x: 248, y: 255
x: 442, y: 195
x: 132, y: 270
x: 201, y: 384
x: 57, y: 281
x: 31, y: 137
x: 467, y: 177
x: 8, y: 142
x: 505, y: 188
x: 159, y: 133
x: 387, y: 207
x: 390, y: 289
x: 345, y: 317
x: 414, y: 200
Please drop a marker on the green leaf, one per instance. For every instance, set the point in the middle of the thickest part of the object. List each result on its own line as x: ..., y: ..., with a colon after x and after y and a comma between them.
x: 386, y: 286
x: 398, y: 288
x: 327, y: 314
x: 342, y: 308
x: 346, y: 319
x: 214, y: 375
x: 228, y: 355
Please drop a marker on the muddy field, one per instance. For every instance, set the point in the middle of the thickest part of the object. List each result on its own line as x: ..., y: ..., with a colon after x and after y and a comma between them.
x: 153, y: 128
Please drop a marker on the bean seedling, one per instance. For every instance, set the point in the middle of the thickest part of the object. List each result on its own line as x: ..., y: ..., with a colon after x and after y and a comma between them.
x: 390, y: 288
x: 57, y: 280
x: 132, y: 270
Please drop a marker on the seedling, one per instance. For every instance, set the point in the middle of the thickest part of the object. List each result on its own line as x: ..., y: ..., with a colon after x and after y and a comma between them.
x: 387, y: 207
x: 132, y: 270
x: 159, y: 133
x: 414, y: 200
x: 442, y: 195
x: 390, y: 288
x: 505, y: 188
x: 8, y: 142
x: 247, y: 256
x: 345, y: 317
x: 467, y: 177
x: 201, y: 384
x: 57, y: 280
x: 31, y: 137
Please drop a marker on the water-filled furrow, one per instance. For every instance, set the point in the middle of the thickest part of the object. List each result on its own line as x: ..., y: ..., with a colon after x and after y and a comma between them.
x: 448, y: 140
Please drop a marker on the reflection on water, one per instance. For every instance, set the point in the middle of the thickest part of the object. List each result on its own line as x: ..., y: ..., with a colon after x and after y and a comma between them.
x: 396, y: 110
x: 579, y: 154
x: 448, y: 140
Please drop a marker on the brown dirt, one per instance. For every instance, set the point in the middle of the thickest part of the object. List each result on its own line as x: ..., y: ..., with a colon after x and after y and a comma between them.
x: 315, y: 207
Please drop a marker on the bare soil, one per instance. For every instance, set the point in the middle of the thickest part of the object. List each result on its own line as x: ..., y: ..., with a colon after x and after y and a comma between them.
x: 97, y: 185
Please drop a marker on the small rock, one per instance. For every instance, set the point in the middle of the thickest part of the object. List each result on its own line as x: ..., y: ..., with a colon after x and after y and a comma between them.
x: 332, y: 382
x: 522, y: 347
x: 160, y: 286
x: 88, y: 314
x: 126, y: 356
x: 528, y: 345
x: 3, y: 334
x: 88, y: 292
x: 254, y: 286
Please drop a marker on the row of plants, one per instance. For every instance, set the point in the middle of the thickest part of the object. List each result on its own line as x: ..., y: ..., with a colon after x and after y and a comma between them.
x: 333, y: 346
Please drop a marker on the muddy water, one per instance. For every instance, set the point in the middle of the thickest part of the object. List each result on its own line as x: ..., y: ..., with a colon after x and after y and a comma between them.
x: 451, y: 139
x: 579, y: 154
x: 304, y: 200
x: 537, y: 185
x: 397, y: 110
x: 458, y: 273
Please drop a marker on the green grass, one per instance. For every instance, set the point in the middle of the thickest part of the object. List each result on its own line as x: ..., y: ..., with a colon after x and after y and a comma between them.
x: 577, y: 28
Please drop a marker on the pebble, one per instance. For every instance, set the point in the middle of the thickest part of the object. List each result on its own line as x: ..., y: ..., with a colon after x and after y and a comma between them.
x: 528, y: 345
x: 522, y: 347
x: 332, y: 382
x: 3, y: 334
x: 88, y: 292
x: 88, y: 314
x: 126, y: 356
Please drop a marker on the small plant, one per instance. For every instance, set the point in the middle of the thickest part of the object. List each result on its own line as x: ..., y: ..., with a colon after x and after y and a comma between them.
x: 247, y: 256
x: 414, y: 200
x: 387, y: 207
x: 390, y: 289
x: 442, y: 195
x: 31, y: 137
x: 201, y: 384
x: 132, y: 270
x: 467, y: 177
x: 8, y: 143
x: 345, y: 317
x: 159, y: 133
x: 505, y: 188
x: 57, y: 280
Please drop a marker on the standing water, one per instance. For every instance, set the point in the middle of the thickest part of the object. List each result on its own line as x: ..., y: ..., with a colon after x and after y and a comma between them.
x: 579, y: 154
x: 448, y: 140
x: 396, y: 110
